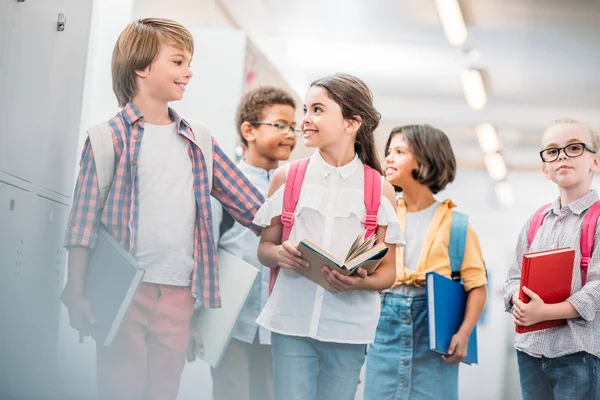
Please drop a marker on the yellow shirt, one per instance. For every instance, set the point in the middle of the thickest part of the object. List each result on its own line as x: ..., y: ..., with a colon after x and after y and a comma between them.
x: 434, y: 253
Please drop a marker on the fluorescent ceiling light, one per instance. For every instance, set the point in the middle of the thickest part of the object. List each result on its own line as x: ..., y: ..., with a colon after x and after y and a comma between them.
x: 359, y: 57
x: 495, y: 166
x: 488, y: 138
x: 474, y: 89
x: 504, y: 193
x: 452, y: 21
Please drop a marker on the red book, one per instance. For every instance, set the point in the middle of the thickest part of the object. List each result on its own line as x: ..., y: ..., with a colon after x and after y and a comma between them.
x: 549, y: 274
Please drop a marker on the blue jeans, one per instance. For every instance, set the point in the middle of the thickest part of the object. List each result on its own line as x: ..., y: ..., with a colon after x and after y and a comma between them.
x: 569, y: 377
x: 399, y: 363
x: 307, y: 369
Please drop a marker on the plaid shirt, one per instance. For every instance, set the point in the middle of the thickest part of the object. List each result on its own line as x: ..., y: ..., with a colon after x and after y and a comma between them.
x: 562, y: 228
x: 120, y: 214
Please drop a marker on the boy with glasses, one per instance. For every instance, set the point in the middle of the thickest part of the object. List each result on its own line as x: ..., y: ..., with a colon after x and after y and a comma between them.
x: 265, y: 124
x: 562, y: 362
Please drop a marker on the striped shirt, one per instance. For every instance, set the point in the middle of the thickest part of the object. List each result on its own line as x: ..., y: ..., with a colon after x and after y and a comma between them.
x: 562, y: 228
x: 120, y: 214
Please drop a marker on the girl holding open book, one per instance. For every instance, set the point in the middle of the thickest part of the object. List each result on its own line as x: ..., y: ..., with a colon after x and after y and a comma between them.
x: 319, y: 337
x: 419, y: 163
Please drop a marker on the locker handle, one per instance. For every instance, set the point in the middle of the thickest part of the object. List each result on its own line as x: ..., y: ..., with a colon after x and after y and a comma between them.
x: 61, y: 22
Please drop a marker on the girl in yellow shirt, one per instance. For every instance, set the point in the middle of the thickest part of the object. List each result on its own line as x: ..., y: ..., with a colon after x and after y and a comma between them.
x: 419, y: 163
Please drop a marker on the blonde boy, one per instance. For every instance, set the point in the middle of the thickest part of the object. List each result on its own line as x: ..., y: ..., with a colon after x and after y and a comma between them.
x: 563, y: 362
x: 158, y: 208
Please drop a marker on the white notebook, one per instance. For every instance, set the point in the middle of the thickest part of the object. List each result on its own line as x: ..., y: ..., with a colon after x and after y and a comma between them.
x: 236, y: 278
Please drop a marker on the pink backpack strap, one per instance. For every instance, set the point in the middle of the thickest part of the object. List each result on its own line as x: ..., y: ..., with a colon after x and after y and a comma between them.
x: 291, y: 194
x: 372, y: 199
x: 536, y: 221
x: 586, y: 242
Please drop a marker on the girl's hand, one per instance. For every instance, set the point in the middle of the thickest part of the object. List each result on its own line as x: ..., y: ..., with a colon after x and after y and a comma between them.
x: 458, y: 348
x: 343, y: 283
x: 288, y: 256
x: 526, y: 314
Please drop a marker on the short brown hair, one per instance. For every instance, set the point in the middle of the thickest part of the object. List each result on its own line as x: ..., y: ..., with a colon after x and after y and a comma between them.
x: 256, y: 101
x: 594, y: 135
x: 433, y: 152
x: 356, y: 100
x: 136, y: 48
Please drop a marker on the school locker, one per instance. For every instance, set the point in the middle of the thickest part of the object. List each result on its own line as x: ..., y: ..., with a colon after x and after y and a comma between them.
x: 42, y: 80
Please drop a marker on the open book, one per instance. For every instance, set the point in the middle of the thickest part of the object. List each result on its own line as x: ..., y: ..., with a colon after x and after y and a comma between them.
x: 363, y: 253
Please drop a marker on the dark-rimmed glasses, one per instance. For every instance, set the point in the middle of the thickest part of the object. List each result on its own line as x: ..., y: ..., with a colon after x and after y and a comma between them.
x: 571, y: 150
x: 281, y: 127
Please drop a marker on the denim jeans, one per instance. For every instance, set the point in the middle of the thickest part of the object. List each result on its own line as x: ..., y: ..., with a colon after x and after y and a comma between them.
x: 569, y: 377
x: 307, y: 369
x: 399, y: 363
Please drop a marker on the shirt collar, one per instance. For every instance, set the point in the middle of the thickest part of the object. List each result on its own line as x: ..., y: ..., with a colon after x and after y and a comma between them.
x: 132, y: 115
x: 244, y: 166
x: 577, y: 207
x: 345, y: 170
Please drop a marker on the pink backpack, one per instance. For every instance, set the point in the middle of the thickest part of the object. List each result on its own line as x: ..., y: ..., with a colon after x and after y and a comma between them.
x: 586, y: 242
x: 293, y: 186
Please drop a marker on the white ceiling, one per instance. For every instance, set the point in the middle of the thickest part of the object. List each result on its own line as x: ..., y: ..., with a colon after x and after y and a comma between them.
x: 541, y: 60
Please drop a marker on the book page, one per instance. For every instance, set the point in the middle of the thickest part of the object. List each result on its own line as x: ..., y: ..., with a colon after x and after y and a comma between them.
x: 364, y: 246
x: 357, y: 242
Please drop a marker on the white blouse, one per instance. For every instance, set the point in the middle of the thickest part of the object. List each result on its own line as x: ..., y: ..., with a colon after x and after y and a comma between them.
x: 330, y: 212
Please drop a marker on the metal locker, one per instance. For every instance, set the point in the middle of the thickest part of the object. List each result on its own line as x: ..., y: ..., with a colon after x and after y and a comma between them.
x: 65, y: 94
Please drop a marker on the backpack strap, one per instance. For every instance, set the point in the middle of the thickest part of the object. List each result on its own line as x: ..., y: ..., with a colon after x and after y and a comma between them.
x: 104, y: 157
x: 586, y: 242
x: 203, y: 139
x: 458, y: 241
x: 372, y: 197
x: 291, y: 194
x: 536, y: 221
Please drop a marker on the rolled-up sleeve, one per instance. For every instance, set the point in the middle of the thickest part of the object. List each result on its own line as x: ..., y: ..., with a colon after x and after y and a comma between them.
x: 587, y: 300
x: 234, y: 191
x: 513, y: 280
x: 85, y: 213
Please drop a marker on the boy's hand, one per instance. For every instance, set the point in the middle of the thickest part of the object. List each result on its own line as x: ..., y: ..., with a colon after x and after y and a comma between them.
x: 343, y: 283
x: 80, y: 314
x: 530, y: 313
x: 457, y: 350
x: 195, y: 345
x: 290, y: 257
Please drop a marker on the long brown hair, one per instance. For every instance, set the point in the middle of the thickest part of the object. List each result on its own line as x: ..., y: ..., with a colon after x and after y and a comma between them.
x: 356, y: 102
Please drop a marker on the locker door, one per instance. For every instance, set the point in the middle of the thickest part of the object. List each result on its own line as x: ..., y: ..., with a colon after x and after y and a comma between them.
x: 67, y: 67
x: 16, y: 255
x: 25, y: 88
x: 39, y: 287
x: 42, y: 86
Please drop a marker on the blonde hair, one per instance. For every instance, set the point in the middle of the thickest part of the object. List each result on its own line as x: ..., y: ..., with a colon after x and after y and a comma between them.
x: 136, y: 48
x: 594, y: 135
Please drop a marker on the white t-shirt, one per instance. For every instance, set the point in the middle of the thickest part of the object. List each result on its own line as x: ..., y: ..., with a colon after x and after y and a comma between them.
x: 167, y: 207
x: 417, y: 225
x: 330, y: 212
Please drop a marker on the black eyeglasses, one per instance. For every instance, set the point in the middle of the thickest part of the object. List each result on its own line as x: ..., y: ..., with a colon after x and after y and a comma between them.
x: 571, y: 150
x: 281, y: 127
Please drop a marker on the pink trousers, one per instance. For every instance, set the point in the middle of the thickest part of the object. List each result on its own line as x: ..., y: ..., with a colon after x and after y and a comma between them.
x: 147, y: 357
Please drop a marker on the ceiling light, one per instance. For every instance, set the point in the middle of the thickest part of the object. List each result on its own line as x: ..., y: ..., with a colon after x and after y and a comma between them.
x: 474, y: 89
x: 488, y: 138
x: 452, y: 21
x: 504, y: 193
x: 495, y: 166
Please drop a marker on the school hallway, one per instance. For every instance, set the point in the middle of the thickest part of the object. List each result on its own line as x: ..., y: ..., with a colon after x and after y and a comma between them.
x: 491, y: 74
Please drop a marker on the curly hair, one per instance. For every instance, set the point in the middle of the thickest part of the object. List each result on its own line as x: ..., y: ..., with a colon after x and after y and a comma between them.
x: 256, y: 101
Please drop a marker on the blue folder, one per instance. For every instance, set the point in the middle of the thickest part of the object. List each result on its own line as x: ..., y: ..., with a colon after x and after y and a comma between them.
x: 446, y: 301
